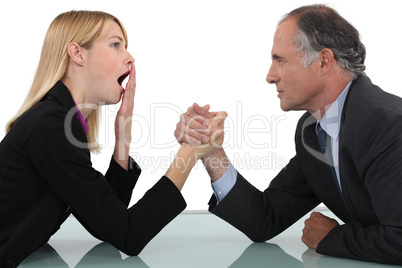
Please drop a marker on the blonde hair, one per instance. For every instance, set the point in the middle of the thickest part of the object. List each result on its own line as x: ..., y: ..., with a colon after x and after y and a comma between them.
x: 82, y: 27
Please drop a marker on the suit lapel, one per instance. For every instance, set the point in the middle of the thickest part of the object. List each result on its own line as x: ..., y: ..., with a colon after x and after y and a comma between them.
x: 344, y: 184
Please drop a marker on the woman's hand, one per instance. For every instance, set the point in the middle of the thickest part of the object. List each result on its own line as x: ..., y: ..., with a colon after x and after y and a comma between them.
x: 193, y: 127
x: 124, y: 121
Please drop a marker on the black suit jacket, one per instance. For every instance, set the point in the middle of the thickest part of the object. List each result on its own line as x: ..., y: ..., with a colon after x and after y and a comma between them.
x: 42, y: 173
x: 370, y: 163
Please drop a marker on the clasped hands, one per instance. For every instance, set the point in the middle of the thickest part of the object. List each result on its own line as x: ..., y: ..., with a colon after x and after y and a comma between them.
x: 201, y: 129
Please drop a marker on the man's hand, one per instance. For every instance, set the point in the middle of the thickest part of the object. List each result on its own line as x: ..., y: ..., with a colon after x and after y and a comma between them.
x: 316, y: 228
x: 216, y: 137
x: 196, y: 127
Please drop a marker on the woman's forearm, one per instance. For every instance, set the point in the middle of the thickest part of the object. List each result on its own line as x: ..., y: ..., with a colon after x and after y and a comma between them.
x: 184, y: 161
x: 121, y: 153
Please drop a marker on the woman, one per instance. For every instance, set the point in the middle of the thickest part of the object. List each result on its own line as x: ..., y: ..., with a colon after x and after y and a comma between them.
x: 45, y: 167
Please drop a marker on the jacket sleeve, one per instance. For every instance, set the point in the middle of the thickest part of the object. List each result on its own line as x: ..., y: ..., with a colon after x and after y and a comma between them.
x: 263, y: 215
x: 123, y: 181
x: 378, y: 160
x: 59, y: 157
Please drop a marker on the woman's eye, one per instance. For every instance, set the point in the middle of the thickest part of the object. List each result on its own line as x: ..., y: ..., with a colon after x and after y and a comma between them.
x: 116, y: 45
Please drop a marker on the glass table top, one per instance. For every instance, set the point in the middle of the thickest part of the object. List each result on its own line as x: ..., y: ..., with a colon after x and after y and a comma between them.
x: 190, y: 240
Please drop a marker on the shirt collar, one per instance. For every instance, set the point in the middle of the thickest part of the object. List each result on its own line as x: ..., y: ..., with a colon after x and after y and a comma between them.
x: 331, y: 121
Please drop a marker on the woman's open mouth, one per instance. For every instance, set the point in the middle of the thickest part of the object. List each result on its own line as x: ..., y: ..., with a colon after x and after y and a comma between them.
x: 121, y: 79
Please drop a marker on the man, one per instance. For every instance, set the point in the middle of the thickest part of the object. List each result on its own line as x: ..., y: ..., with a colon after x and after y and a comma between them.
x: 348, y: 147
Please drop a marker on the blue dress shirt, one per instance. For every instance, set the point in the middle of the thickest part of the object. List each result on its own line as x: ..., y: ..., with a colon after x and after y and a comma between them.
x: 331, y: 123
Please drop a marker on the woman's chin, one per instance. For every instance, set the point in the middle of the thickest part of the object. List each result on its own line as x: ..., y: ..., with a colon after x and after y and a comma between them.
x: 118, y: 99
x: 115, y: 99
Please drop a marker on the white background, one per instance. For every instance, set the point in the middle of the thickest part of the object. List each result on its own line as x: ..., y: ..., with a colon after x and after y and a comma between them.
x: 210, y: 51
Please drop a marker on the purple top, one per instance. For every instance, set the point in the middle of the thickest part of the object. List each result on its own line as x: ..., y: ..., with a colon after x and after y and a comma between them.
x: 83, y: 121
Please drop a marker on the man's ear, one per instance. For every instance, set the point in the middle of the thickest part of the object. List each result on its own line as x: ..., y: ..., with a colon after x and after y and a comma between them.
x: 327, y: 60
x: 76, y: 53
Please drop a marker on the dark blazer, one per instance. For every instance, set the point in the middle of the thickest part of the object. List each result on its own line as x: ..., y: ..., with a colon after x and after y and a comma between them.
x: 43, y: 173
x: 370, y: 163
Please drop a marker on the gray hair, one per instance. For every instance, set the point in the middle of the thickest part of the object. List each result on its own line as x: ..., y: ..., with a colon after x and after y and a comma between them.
x: 319, y: 27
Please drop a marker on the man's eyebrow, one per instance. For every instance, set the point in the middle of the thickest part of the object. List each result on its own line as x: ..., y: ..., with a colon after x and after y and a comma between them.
x: 276, y: 57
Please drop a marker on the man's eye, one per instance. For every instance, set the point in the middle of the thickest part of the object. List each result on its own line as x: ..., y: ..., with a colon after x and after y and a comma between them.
x: 116, y: 45
x: 281, y: 61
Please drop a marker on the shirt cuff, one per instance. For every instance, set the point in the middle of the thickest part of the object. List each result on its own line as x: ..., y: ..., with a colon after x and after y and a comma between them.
x: 224, y: 184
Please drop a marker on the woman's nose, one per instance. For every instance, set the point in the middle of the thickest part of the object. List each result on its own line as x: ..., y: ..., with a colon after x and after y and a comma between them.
x: 131, y: 59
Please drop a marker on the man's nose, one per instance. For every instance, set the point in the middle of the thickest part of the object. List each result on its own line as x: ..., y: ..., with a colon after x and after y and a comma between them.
x: 272, y: 76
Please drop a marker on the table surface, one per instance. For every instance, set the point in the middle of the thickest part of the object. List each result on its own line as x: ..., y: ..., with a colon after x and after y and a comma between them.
x: 190, y: 240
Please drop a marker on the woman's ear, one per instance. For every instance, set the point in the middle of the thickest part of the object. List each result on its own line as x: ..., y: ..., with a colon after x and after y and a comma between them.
x: 76, y: 53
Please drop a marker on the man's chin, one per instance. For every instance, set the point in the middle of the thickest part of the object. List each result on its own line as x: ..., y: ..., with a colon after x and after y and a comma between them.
x: 285, y: 108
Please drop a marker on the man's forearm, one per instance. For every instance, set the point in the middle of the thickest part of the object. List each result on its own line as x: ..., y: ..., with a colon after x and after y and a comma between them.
x: 216, y: 163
